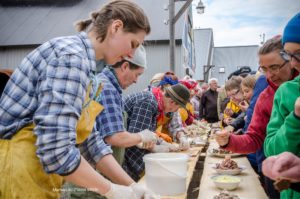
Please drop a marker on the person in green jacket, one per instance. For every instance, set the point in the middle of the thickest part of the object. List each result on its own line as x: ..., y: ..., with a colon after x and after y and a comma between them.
x: 283, y: 131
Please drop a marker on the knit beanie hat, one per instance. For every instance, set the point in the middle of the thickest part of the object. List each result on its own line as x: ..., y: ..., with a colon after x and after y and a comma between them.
x: 291, y: 31
x: 179, y: 94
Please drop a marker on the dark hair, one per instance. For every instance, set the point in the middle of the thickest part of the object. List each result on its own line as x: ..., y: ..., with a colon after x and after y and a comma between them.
x: 132, y: 66
x: 170, y: 75
x: 133, y: 17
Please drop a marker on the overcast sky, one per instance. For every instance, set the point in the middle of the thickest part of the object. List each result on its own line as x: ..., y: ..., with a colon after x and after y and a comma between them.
x: 241, y: 22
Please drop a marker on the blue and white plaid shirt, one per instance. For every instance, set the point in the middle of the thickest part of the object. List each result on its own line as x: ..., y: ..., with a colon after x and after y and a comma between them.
x: 48, y: 89
x: 110, y: 120
x: 142, y: 110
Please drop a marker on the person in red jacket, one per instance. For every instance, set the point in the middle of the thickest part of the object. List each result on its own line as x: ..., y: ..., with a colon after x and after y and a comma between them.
x: 277, y: 72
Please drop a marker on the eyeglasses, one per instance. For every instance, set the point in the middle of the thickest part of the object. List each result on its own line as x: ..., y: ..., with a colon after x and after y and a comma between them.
x: 288, y: 56
x: 272, y: 69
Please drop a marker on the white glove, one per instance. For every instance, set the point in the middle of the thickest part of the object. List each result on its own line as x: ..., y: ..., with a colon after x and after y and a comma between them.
x: 148, y: 138
x: 142, y: 192
x: 222, y: 137
x: 160, y: 149
x: 184, y: 143
x: 172, y: 147
x: 120, y: 192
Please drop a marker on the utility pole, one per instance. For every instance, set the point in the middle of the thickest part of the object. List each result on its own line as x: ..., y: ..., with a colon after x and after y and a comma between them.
x: 262, y: 38
x: 172, y: 34
x: 172, y: 21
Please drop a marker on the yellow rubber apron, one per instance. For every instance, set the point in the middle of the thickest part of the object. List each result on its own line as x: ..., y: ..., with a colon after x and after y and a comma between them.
x: 119, y: 152
x: 77, y: 192
x: 162, y: 129
x: 21, y: 173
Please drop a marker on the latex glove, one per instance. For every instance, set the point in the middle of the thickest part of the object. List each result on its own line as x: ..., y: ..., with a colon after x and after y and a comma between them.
x: 148, y: 138
x: 164, y: 136
x: 160, y: 149
x: 184, y: 143
x: 120, y: 192
x: 142, y: 192
x: 222, y: 137
x: 148, y: 146
x: 173, y: 147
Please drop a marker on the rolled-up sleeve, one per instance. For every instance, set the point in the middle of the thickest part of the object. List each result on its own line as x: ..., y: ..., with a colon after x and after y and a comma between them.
x: 110, y: 120
x: 60, y: 97
x: 94, y: 148
x: 175, y: 124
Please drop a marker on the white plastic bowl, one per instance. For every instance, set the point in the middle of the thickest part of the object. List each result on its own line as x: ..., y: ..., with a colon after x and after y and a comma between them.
x: 226, y: 182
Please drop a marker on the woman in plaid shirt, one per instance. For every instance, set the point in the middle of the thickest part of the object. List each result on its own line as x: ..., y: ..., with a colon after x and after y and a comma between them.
x: 42, y: 103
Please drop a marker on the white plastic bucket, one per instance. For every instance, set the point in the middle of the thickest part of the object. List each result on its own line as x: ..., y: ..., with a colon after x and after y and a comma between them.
x: 166, y: 173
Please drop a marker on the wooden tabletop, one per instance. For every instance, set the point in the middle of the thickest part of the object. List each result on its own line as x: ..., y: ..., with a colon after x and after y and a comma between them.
x: 249, y: 187
x: 194, y: 153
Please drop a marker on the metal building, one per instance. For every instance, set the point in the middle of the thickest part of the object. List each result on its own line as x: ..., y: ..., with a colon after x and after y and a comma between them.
x: 230, y: 58
x: 23, y: 28
x: 204, y: 45
x: 219, y: 62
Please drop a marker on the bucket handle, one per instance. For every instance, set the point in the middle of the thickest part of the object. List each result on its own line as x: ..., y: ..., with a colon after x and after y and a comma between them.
x: 165, y: 168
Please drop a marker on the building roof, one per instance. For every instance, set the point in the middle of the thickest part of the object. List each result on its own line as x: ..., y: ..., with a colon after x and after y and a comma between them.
x: 33, y: 25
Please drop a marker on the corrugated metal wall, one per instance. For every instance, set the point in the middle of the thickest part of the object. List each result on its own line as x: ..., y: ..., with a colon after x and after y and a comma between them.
x: 12, y: 57
x: 157, y: 61
x: 203, y: 50
x: 231, y: 58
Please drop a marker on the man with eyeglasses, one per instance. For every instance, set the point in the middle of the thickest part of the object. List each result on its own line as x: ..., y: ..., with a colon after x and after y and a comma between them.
x: 277, y: 71
x: 273, y: 68
x: 283, y: 131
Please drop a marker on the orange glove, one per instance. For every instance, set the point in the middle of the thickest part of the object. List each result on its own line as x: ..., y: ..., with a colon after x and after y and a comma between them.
x: 164, y: 136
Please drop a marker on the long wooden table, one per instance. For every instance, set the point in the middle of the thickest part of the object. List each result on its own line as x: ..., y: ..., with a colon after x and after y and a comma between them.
x: 194, y: 153
x: 249, y: 187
